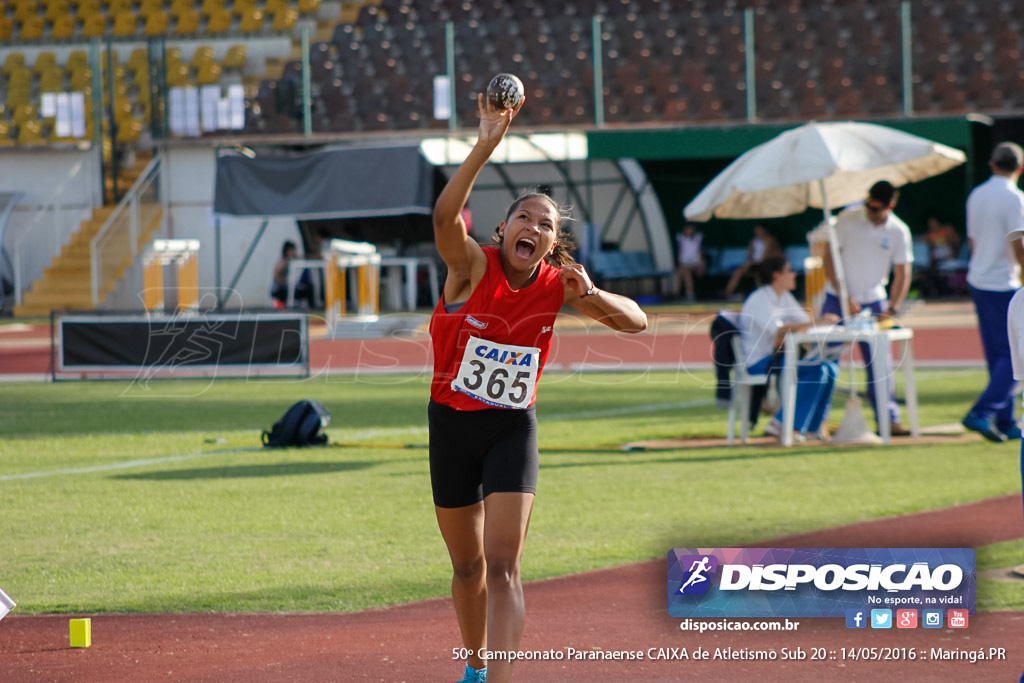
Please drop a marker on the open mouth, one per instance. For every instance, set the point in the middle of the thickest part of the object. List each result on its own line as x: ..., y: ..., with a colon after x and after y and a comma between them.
x: 525, y: 248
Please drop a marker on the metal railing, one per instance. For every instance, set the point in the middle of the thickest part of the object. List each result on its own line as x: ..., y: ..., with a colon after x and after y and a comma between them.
x: 117, y: 244
x: 41, y: 239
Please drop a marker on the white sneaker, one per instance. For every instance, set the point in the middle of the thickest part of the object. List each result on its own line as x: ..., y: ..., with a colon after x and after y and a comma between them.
x: 774, y: 428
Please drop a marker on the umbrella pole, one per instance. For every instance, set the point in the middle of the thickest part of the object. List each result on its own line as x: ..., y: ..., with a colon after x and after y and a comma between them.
x: 854, y: 428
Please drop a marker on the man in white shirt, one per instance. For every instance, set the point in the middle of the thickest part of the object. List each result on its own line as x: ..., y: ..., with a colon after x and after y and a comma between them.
x: 995, y: 209
x: 872, y: 241
x: 1015, y: 335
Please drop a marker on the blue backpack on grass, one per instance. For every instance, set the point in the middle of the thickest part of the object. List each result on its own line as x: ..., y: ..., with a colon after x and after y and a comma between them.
x: 302, y: 425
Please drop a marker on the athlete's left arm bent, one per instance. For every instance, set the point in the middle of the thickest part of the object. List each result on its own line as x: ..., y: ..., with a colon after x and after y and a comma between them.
x: 613, y: 310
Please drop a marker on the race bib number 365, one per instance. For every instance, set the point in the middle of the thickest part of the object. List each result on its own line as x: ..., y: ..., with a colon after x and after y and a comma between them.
x: 499, y: 375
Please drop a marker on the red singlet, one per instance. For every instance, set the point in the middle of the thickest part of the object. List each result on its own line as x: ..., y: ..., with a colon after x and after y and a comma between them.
x: 495, y: 346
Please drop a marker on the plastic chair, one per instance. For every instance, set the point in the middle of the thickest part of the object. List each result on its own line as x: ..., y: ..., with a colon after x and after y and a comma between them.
x: 285, y: 20
x: 64, y: 27
x: 32, y: 28
x: 5, y: 134
x: 15, y: 61
x: 156, y: 24
x: 252, y: 21
x: 55, y: 9
x: 94, y: 26
x: 203, y: 54
x: 31, y: 133
x: 219, y: 21
x: 208, y: 74
x: 125, y: 24
x: 188, y: 22
x: 743, y: 383
x: 235, y: 57
x: 44, y: 61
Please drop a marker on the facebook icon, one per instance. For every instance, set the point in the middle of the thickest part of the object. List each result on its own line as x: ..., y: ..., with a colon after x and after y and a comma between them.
x: 856, y: 618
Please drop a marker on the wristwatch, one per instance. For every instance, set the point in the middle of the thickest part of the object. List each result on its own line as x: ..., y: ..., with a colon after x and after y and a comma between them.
x: 589, y: 292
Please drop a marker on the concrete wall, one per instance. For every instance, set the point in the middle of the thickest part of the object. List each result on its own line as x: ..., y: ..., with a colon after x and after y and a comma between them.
x: 189, y: 184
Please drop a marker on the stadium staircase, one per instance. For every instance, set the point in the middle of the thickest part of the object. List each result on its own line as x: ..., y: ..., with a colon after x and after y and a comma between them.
x: 66, y: 284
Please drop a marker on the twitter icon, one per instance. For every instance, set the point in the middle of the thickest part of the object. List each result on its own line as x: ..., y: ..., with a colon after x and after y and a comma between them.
x: 881, y: 618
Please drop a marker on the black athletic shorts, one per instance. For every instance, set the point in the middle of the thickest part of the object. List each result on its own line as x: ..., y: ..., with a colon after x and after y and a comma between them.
x: 474, y: 453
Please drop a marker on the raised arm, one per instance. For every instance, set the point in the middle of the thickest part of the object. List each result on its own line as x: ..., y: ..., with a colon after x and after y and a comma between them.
x: 465, y: 259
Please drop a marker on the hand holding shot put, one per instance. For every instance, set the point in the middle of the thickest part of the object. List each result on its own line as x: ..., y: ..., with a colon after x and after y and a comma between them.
x: 491, y: 335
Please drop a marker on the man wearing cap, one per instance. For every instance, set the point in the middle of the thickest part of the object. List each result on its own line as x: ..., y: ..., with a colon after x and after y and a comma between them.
x: 995, y: 209
x: 872, y: 241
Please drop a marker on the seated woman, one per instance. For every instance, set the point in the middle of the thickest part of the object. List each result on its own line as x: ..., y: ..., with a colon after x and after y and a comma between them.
x: 769, y: 313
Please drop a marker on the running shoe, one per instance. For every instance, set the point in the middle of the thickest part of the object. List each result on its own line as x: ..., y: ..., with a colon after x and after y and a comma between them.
x: 985, y: 427
x: 473, y: 675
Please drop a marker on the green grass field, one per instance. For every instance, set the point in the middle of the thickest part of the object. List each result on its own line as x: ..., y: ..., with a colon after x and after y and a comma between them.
x: 121, y: 498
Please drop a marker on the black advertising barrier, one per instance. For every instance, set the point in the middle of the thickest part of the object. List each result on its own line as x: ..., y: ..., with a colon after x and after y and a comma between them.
x: 184, y: 345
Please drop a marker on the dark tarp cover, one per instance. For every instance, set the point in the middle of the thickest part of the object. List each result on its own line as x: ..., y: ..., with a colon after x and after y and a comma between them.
x: 337, y: 183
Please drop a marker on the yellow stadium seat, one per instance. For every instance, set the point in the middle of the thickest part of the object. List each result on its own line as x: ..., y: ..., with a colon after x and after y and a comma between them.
x: 32, y: 28
x: 235, y: 57
x: 142, y: 83
x: 179, y: 7
x: 44, y: 60
x: 209, y: 74
x: 14, y: 62
x: 31, y: 133
x: 203, y: 55
x: 177, y: 75
x: 52, y: 80
x: 18, y: 97
x: 115, y: 7
x: 81, y: 78
x: 76, y: 60
x: 219, y: 21
x: 252, y: 21
x: 25, y: 10
x: 309, y: 6
x: 138, y: 59
x: 88, y: 8
x: 240, y: 7
x: 55, y: 9
x: 156, y: 23
x: 122, y: 110
x: 19, y: 79
x: 147, y: 7
x: 64, y: 27
x: 285, y: 20
x: 5, y: 134
x: 125, y: 24
x: 94, y: 26
x: 6, y: 28
x: 188, y: 22
x: 211, y: 6
x: 23, y: 113
x: 172, y: 55
x: 274, y: 6
x: 128, y: 131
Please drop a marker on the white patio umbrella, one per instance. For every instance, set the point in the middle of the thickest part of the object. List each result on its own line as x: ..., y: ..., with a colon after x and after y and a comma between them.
x: 821, y: 165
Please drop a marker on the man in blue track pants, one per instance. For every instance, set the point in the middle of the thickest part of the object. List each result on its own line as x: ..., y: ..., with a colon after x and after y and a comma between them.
x: 994, y: 209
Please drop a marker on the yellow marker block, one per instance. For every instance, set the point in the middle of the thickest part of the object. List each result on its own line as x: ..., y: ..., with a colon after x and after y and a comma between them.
x: 81, y: 632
